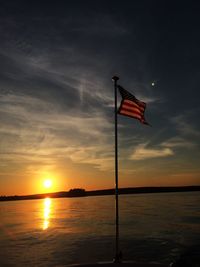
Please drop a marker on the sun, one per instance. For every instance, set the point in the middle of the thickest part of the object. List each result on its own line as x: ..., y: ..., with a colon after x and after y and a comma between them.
x: 47, y: 183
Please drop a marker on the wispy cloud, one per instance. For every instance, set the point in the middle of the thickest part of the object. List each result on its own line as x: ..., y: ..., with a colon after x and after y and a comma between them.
x: 184, y: 123
x: 166, y: 148
x: 176, y: 142
x: 142, y: 152
x: 37, y: 131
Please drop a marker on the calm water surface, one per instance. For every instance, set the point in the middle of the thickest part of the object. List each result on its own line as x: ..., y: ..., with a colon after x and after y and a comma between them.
x: 54, y: 232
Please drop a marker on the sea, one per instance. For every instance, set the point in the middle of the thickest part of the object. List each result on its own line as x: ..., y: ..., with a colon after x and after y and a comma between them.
x: 154, y: 227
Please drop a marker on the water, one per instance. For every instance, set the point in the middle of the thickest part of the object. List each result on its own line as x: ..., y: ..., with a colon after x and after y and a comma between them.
x: 54, y: 232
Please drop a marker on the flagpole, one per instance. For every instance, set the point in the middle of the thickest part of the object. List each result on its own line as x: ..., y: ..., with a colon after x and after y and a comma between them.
x: 117, y: 258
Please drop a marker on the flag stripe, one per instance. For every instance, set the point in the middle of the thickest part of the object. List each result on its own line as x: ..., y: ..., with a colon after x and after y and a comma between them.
x: 132, y: 104
x: 131, y: 109
x: 130, y: 114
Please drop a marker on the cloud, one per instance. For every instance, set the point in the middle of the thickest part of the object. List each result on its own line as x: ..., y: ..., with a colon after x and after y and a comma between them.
x: 178, y: 142
x: 164, y: 149
x: 60, y: 111
x: 184, y: 123
x: 141, y: 152
x: 35, y: 132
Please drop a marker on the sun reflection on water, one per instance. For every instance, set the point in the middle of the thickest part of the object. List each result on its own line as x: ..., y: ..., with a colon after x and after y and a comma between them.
x: 46, y: 214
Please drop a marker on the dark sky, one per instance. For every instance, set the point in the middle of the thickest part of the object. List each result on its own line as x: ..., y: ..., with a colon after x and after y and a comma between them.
x: 56, y: 93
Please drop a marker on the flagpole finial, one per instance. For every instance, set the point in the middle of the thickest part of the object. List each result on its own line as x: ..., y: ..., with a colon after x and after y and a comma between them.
x: 115, y: 78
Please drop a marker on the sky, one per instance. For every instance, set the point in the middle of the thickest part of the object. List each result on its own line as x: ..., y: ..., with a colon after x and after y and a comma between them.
x: 57, y: 59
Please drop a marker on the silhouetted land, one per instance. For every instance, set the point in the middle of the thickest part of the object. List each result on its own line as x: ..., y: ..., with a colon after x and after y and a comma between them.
x: 79, y: 192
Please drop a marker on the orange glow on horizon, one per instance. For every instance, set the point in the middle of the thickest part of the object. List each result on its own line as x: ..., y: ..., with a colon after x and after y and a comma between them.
x: 47, y: 182
x: 66, y: 179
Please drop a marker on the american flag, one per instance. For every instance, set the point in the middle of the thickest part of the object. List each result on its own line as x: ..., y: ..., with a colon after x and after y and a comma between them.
x: 131, y: 106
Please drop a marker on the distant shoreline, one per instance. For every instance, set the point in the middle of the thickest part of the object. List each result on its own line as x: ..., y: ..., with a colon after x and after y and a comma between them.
x: 84, y: 193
